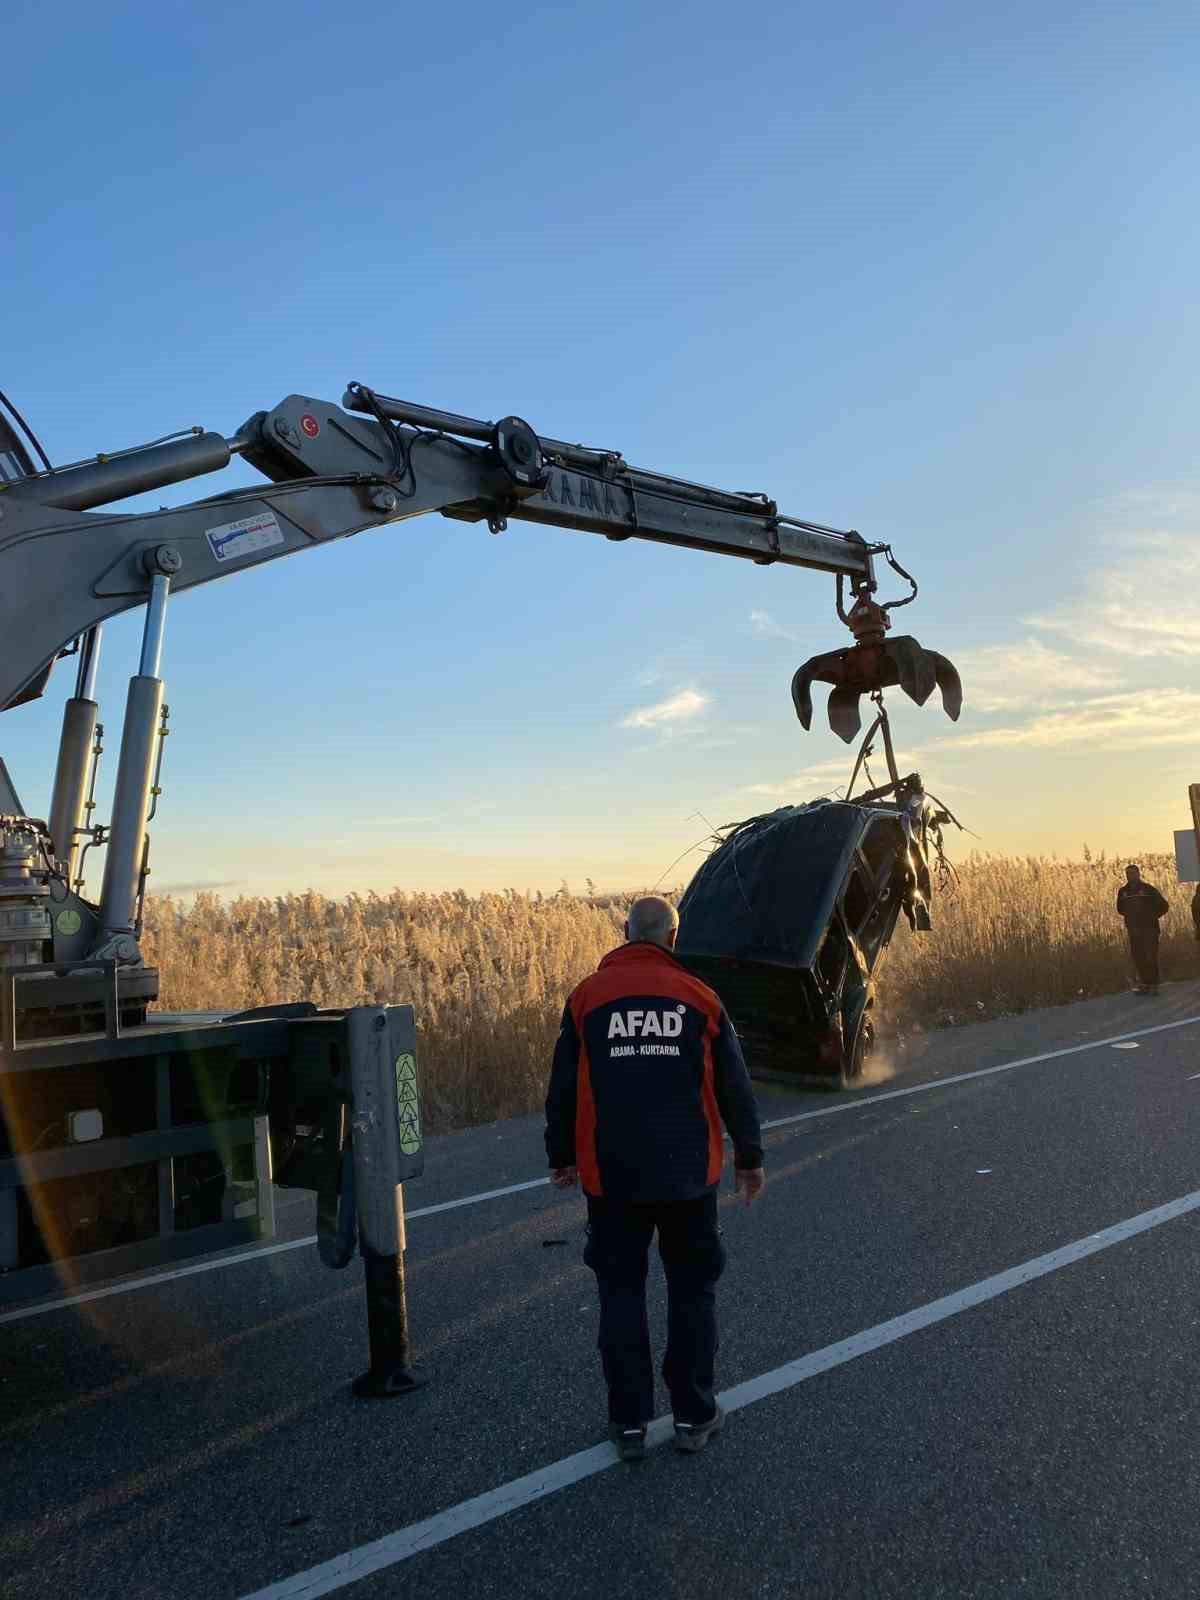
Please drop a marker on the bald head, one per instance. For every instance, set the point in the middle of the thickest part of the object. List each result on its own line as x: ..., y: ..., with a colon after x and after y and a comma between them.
x: 653, y: 919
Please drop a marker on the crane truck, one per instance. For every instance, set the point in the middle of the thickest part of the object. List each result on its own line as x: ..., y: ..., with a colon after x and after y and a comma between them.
x: 129, y: 1138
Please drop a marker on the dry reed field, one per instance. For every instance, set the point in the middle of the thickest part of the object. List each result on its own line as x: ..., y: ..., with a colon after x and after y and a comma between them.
x: 488, y: 973
x: 1027, y: 931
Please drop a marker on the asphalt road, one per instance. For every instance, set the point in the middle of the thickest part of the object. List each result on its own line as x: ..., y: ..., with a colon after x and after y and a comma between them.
x: 196, y: 1437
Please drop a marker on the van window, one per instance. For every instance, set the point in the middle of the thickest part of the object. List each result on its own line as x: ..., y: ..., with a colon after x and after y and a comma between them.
x: 857, y: 900
x: 880, y: 846
x: 831, y: 963
x: 871, y: 934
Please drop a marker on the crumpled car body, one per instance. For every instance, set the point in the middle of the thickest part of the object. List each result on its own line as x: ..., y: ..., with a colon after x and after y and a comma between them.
x: 789, y: 920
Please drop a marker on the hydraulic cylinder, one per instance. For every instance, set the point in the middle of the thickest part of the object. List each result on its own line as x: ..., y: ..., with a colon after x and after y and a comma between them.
x: 135, y: 778
x: 75, y: 755
x: 71, y: 780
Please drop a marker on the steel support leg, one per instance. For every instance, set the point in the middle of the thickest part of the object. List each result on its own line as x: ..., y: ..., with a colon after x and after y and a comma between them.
x: 387, y: 1329
x: 379, y: 1166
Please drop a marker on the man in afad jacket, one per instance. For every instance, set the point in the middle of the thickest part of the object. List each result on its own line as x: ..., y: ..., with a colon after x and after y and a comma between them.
x: 646, y: 1069
x: 1141, y: 905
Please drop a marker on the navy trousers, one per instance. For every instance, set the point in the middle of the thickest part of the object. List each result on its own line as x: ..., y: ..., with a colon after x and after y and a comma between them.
x: 1143, y: 947
x: 693, y: 1258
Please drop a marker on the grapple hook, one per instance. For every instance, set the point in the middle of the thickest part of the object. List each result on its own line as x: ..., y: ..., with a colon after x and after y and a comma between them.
x: 874, y: 663
x: 863, y: 668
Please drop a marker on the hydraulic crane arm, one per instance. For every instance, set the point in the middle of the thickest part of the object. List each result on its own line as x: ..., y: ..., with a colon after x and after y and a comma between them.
x: 333, y: 1094
x: 65, y: 568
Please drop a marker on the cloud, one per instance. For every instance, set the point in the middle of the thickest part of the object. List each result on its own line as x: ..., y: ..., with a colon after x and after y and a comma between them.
x: 1012, y: 677
x: 1137, y: 720
x: 763, y: 622
x: 1139, y: 606
x: 822, y: 777
x: 1128, y: 618
x: 682, y: 706
x: 649, y: 676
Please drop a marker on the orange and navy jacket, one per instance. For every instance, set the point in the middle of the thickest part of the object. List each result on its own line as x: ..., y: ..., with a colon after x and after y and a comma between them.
x: 646, y: 1069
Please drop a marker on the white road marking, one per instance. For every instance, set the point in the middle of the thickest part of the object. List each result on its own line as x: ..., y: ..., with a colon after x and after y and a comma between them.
x: 393, y: 1548
x: 152, y: 1280
x: 981, y: 1072
x: 42, y: 1308
x: 477, y: 1199
x: 1193, y: 1077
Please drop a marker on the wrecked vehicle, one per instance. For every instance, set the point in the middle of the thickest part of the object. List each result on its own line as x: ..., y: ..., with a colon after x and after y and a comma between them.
x: 788, y: 920
x: 789, y: 917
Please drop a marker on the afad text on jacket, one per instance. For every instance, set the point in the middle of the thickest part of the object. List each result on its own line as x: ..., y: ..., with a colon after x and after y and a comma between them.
x: 646, y: 1069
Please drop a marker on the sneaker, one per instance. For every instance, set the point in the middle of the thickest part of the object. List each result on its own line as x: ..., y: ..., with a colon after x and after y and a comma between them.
x: 691, y: 1437
x: 629, y: 1439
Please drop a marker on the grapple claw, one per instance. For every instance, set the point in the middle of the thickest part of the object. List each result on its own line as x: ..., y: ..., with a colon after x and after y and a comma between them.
x: 914, y: 669
x: 802, y: 693
x: 844, y: 716
x: 949, y: 682
x: 866, y: 668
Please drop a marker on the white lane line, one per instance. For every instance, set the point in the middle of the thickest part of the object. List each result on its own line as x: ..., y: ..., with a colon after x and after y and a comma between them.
x: 484, y: 1508
x: 476, y: 1199
x: 43, y: 1308
x: 981, y: 1072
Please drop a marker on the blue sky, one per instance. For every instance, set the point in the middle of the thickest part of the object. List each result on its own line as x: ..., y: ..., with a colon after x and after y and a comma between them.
x: 924, y: 270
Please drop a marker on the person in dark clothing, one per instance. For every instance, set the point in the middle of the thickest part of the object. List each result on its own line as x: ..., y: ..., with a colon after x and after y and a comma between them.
x: 1142, y: 906
x: 646, y: 1069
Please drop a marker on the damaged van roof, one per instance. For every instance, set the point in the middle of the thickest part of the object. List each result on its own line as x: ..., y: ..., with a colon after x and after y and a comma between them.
x: 767, y: 892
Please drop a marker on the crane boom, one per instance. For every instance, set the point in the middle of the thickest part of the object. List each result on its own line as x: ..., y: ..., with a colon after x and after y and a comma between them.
x: 64, y: 567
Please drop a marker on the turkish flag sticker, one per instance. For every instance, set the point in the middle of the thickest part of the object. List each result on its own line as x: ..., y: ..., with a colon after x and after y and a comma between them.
x: 310, y: 425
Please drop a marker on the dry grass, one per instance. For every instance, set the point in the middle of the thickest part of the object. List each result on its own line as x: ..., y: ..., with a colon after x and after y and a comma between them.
x: 1027, y: 931
x: 488, y: 973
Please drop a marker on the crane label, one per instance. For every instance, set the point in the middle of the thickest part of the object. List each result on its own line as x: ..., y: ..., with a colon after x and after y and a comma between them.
x: 233, y: 540
x: 408, y: 1104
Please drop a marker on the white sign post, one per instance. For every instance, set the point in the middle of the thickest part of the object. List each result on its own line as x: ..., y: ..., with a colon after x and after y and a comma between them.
x: 1187, y: 857
x: 1187, y: 842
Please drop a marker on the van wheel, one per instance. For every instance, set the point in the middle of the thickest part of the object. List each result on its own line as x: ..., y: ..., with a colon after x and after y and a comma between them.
x: 864, y: 1043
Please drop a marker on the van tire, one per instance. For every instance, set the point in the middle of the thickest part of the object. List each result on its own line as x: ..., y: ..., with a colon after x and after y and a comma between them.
x: 864, y: 1043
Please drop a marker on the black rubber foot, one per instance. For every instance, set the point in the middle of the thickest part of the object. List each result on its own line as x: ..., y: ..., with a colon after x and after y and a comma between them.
x: 387, y: 1385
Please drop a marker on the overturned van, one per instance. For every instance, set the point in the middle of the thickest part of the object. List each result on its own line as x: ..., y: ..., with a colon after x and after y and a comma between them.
x: 788, y: 920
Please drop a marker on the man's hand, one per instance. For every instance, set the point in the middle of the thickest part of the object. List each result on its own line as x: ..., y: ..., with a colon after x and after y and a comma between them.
x: 750, y: 1182
x: 564, y: 1177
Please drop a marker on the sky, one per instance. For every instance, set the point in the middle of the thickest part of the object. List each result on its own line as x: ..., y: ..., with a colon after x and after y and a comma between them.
x: 924, y: 270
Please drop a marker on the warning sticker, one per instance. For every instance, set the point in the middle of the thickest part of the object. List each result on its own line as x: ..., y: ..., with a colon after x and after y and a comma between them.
x: 407, y: 1104
x: 235, y: 539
